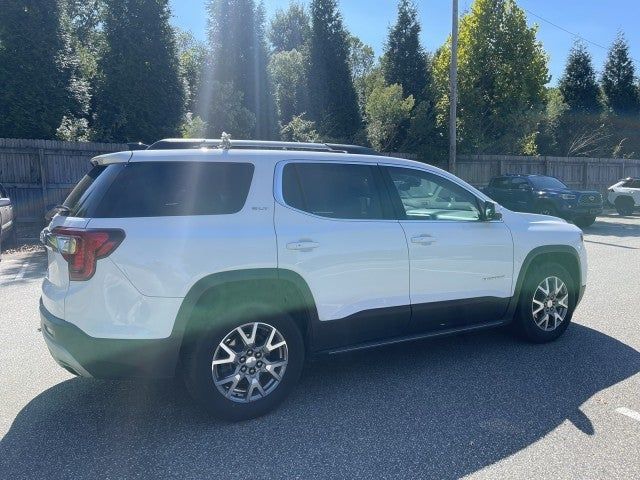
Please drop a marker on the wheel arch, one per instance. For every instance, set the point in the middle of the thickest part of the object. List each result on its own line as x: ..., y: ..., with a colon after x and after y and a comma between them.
x: 564, y: 255
x: 281, y: 287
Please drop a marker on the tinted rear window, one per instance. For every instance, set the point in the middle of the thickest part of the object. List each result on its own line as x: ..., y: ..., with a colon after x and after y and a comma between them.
x: 157, y: 189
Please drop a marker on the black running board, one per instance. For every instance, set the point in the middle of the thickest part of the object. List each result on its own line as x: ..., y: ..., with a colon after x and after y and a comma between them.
x: 411, y: 338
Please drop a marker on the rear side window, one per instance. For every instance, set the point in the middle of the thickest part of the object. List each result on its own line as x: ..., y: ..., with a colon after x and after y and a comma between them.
x: 158, y: 189
x: 333, y: 190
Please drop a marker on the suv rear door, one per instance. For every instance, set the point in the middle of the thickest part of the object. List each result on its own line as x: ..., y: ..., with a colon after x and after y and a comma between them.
x: 335, y: 228
x: 461, y: 266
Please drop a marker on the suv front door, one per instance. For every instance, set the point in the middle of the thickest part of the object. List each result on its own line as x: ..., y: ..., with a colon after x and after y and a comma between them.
x: 461, y: 267
x: 335, y: 227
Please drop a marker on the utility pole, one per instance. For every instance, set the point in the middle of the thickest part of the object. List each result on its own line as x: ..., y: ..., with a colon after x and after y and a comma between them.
x: 453, y: 88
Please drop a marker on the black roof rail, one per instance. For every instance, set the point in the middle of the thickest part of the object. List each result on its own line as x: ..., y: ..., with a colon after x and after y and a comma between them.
x: 188, y: 143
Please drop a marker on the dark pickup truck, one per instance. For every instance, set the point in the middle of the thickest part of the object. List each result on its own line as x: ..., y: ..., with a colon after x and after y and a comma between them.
x: 547, y: 196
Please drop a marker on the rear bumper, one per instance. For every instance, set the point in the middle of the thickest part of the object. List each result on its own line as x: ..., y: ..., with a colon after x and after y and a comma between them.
x: 88, y: 356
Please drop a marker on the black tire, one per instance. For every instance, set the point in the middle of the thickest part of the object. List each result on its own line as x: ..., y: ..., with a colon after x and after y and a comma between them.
x: 197, y: 361
x: 624, y: 206
x: 524, y: 321
x: 584, y: 222
x: 547, y: 209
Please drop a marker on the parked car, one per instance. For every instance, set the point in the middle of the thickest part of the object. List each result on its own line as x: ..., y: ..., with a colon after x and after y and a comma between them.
x: 547, y: 196
x: 7, y: 220
x: 625, y: 195
x: 231, y: 266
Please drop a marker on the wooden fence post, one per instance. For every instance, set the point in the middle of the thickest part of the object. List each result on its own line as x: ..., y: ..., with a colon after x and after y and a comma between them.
x: 585, y: 174
x: 43, y: 178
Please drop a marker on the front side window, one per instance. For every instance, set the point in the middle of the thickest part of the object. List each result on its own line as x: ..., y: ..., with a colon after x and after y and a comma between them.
x: 333, y: 190
x: 519, y: 183
x: 425, y: 196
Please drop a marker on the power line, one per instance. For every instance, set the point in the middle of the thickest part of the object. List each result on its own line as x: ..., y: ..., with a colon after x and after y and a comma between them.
x: 559, y: 27
x: 565, y: 30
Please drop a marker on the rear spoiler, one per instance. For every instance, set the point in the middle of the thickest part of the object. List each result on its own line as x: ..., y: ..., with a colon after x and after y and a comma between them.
x: 109, y: 158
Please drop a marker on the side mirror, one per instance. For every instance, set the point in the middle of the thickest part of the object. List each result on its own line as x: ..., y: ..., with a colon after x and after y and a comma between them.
x: 5, y: 202
x: 489, y: 212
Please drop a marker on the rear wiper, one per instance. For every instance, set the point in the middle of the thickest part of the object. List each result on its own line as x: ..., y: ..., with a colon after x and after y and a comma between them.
x: 58, y: 209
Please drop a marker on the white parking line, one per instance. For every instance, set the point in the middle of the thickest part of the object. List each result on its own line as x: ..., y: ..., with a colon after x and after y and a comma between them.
x: 629, y: 413
x: 22, y: 271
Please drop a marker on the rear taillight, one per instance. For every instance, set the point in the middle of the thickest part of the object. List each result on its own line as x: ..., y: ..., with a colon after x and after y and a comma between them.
x: 83, y: 248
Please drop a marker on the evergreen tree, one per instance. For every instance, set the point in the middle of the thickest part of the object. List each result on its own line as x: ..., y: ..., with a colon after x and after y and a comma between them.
x: 404, y: 58
x: 140, y: 94
x: 35, y: 70
x: 618, y: 80
x: 333, y: 99
x: 502, y: 72
x: 238, y: 56
x: 290, y: 29
x: 578, y: 83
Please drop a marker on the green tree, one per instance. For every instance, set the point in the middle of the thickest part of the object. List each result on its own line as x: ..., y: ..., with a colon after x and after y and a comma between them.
x: 192, y: 54
x: 238, y: 55
x: 299, y: 129
x: 290, y: 29
x: 404, y: 58
x: 502, y: 72
x: 333, y: 100
x: 288, y: 76
x: 36, y: 70
x: 140, y: 93
x: 578, y: 84
x: 618, y: 80
x: 226, y: 113
x: 362, y: 60
x: 621, y: 96
x: 386, y: 111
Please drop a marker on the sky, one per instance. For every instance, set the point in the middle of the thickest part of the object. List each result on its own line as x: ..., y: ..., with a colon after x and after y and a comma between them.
x: 595, y: 21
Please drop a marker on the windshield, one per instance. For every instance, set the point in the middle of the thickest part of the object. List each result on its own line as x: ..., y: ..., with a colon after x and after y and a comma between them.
x: 547, y: 182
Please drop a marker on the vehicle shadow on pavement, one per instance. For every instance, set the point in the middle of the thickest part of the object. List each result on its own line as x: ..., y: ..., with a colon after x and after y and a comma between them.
x: 438, y: 409
x: 620, y: 229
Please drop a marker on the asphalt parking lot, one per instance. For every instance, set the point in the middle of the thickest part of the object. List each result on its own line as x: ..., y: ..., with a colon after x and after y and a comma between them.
x: 480, y: 405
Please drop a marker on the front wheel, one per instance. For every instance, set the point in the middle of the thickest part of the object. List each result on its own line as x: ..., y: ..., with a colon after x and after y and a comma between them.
x: 247, y: 364
x: 547, y: 209
x: 546, y: 304
x: 584, y: 222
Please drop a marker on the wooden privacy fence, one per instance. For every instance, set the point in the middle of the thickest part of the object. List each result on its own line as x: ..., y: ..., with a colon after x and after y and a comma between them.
x: 40, y: 173
x: 576, y: 172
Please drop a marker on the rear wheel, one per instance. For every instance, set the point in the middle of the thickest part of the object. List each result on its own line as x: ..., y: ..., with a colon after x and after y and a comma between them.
x: 584, y: 222
x: 624, y: 205
x: 546, y: 304
x: 246, y: 364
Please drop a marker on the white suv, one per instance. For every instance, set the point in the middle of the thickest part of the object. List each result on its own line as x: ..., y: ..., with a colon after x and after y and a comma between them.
x: 625, y: 195
x: 233, y: 265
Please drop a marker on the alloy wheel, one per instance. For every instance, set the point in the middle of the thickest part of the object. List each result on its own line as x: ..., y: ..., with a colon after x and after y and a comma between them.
x: 550, y: 303
x: 250, y: 361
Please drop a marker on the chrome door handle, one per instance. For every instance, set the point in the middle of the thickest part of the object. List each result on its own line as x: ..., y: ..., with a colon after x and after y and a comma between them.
x: 303, y: 245
x: 424, y: 239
